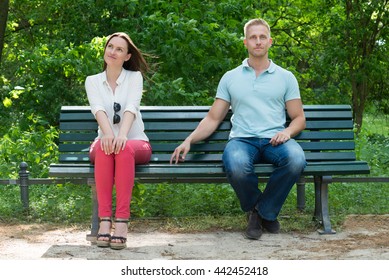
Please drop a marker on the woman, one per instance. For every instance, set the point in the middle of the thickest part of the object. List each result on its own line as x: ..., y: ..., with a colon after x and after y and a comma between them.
x: 114, y: 96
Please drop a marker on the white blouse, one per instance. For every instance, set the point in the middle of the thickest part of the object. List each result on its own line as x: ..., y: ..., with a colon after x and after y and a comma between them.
x: 128, y: 94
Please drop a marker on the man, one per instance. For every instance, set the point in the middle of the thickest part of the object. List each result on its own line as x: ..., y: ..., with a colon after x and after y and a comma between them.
x: 258, y: 92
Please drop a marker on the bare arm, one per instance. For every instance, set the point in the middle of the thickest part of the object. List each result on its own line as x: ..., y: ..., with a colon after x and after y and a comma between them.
x: 296, y: 113
x: 108, y: 135
x: 120, y: 140
x: 109, y: 143
x: 205, y: 128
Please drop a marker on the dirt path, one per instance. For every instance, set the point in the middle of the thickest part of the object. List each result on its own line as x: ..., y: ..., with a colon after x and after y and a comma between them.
x: 361, y: 238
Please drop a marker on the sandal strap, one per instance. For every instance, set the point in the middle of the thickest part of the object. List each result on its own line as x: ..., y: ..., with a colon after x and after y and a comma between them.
x: 121, y: 238
x: 121, y: 221
x: 99, y: 235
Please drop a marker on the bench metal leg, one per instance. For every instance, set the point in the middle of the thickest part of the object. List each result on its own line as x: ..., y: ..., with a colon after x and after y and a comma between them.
x: 24, y: 183
x: 95, y: 216
x: 301, y: 193
x: 321, y: 203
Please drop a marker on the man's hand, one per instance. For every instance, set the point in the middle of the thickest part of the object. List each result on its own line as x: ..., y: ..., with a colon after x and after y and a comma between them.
x: 280, y: 138
x: 184, y: 149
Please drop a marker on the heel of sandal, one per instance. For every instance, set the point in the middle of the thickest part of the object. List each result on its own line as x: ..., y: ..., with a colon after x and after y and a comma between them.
x: 104, y: 243
x: 122, y: 240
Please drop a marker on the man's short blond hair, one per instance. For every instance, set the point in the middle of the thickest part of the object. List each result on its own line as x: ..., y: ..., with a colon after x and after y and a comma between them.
x: 256, y: 21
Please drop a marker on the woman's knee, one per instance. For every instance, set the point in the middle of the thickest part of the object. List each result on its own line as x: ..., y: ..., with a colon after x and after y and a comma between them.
x: 139, y: 151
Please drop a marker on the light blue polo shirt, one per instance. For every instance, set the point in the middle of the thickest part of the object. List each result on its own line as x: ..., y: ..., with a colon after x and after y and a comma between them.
x: 258, y: 103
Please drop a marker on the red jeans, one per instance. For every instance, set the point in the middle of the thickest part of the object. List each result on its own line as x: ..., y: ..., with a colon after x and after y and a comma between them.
x: 119, y: 170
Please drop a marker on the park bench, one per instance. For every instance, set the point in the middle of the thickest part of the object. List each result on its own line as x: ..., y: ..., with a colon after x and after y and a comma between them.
x: 328, y: 143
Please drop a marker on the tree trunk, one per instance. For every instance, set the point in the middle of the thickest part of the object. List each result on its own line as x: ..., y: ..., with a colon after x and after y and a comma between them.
x: 4, y: 4
x: 359, y: 97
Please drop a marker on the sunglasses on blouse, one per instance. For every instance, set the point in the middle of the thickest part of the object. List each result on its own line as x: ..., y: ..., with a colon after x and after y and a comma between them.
x: 116, y: 108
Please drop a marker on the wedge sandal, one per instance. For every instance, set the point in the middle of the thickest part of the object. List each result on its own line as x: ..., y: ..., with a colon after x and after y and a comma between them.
x: 104, y: 243
x: 122, y: 240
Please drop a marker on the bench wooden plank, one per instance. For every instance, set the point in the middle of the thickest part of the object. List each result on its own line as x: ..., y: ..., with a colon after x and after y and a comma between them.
x: 223, y: 135
x: 218, y: 147
x: 211, y: 170
x: 165, y: 157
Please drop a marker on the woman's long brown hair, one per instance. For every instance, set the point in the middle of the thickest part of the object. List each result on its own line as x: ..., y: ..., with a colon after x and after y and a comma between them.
x: 137, y: 62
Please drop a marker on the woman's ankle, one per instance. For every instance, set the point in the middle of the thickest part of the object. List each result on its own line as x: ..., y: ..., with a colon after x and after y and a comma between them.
x: 105, y: 225
x: 121, y: 227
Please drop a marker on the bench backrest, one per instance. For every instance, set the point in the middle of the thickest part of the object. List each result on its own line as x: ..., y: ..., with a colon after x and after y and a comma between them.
x: 328, y: 136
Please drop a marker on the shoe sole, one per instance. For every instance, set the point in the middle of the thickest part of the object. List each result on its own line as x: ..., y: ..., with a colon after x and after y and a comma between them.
x: 102, y: 244
x: 251, y: 237
x: 118, y: 246
x: 269, y: 231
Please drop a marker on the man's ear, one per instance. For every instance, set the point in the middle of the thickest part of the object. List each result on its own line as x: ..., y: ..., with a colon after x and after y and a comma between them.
x: 245, y: 42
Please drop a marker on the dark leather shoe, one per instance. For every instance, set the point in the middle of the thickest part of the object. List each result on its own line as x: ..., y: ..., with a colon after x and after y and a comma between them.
x: 271, y: 226
x: 254, y: 225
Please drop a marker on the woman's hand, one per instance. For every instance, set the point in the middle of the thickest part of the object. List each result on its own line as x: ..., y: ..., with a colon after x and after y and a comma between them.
x: 119, y: 143
x: 107, y: 143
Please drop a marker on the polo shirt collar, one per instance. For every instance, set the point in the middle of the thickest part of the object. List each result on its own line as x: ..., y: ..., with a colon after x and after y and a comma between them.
x: 271, y: 69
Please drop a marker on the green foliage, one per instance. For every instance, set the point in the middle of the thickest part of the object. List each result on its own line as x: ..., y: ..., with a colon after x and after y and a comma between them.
x: 60, y: 203
x: 52, y: 76
x: 359, y: 198
x: 32, y: 142
x: 372, y: 143
x: 66, y: 204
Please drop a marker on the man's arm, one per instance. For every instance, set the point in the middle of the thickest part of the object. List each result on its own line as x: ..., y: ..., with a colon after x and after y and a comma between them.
x: 295, y: 111
x: 205, y: 128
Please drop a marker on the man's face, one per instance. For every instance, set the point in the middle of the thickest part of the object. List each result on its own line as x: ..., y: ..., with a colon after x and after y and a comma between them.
x: 258, y: 40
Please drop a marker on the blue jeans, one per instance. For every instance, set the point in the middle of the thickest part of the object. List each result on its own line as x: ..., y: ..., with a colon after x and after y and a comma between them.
x: 239, y: 157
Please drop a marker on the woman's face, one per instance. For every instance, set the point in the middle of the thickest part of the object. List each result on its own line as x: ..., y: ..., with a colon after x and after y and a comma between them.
x: 116, y: 52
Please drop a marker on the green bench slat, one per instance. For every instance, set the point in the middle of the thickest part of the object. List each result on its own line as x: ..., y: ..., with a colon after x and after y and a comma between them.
x: 315, y: 111
x: 217, y: 146
x: 223, y: 135
x: 199, y: 115
x: 337, y: 107
x: 313, y: 156
x: 211, y: 170
x: 189, y: 126
x: 327, y: 146
x: 69, y: 126
x: 316, y: 107
x: 325, y: 135
x: 77, y: 137
x: 180, y: 126
x: 340, y: 156
x: 331, y: 124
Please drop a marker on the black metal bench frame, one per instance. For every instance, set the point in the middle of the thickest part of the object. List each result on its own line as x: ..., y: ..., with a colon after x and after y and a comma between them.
x: 328, y: 143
